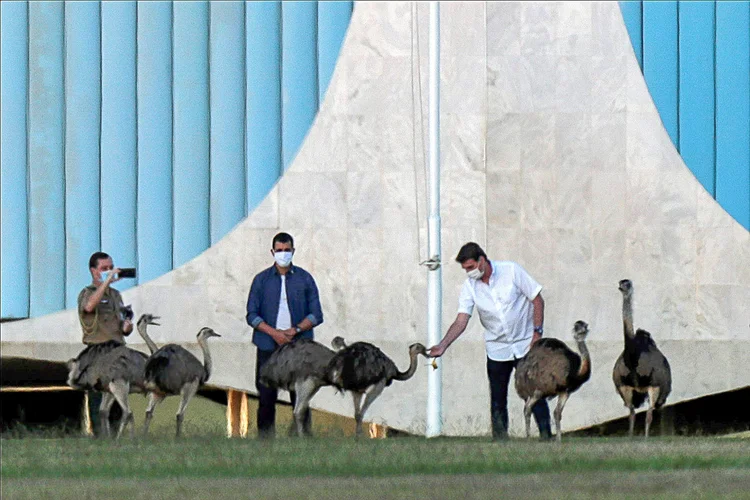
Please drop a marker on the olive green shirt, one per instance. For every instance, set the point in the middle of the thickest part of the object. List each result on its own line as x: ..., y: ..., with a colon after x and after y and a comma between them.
x: 105, y: 323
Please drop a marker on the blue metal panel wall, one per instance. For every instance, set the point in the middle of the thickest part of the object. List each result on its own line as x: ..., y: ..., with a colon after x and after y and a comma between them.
x: 154, y: 128
x: 191, y: 130
x: 118, y: 148
x: 660, y: 62
x: 154, y: 227
x: 632, y: 14
x: 14, y: 243
x: 333, y: 21
x: 696, y: 52
x: 227, y: 113
x: 699, y: 77
x: 46, y: 158
x: 263, y: 99
x: 82, y: 99
x: 299, y: 78
x: 733, y: 109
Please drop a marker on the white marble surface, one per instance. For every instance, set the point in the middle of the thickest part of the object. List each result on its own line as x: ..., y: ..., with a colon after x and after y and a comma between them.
x: 553, y: 156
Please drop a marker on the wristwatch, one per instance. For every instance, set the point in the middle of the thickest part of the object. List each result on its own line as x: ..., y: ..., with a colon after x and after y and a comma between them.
x: 297, y: 329
x: 539, y: 330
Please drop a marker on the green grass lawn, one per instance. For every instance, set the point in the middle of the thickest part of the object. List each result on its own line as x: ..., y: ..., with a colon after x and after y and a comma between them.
x: 212, y: 466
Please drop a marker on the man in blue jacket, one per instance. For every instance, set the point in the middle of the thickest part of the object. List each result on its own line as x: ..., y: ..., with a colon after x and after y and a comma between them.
x: 283, y: 305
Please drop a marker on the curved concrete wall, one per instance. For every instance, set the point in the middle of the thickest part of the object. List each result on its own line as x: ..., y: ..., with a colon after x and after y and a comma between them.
x: 553, y: 155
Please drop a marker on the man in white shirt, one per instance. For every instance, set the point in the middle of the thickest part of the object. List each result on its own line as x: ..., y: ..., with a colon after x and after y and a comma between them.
x: 511, y: 310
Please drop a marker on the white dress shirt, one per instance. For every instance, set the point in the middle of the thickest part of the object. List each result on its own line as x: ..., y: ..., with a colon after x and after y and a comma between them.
x: 284, y: 318
x: 505, y: 309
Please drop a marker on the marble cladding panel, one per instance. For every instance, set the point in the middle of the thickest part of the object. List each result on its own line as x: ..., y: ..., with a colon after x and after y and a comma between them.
x: 383, y: 29
x: 573, y: 256
x: 608, y: 142
x: 574, y: 30
x: 504, y: 199
x: 503, y: 144
x: 503, y: 243
x: 462, y: 142
x: 572, y: 197
x: 538, y: 30
x: 364, y: 195
x: 537, y: 135
x: 572, y: 84
x: 566, y: 303
x: 463, y: 29
x: 398, y: 137
x: 382, y: 92
x: 742, y: 258
x: 716, y: 260
x: 321, y: 200
x: 462, y: 198
x: 538, y: 210
x: 540, y: 73
x: 364, y: 312
x: 608, y: 248
x: 608, y: 200
x: 608, y: 83
x: 503, y: 28
x: 325, y: 149
x: 463, y: 85
x: 677, y: 311
x: 605, y: 314
x: 364, y: 241
x: 538, y: 249
x: 609, y: 34
x: 265, y: 215
x: 507, y: 91
x: 709, y: 213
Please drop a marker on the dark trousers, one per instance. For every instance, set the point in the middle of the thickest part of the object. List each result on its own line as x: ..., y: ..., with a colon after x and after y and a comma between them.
x: 498, y: 373
x: 267, y: 398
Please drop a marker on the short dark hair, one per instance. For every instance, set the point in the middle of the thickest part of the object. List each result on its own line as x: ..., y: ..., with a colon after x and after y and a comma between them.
x: 470, y: 251
x: 96, y: 257
x: 282, y: 238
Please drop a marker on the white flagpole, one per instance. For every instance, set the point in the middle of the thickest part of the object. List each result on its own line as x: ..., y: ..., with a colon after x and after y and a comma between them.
x: 434, y: 276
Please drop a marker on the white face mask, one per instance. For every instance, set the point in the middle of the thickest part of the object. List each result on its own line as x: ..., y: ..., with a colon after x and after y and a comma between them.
x: 283, y: 258
x: 475, y: 273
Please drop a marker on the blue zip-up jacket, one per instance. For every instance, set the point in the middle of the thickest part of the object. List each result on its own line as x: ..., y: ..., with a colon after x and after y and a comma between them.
x: 263, y: 303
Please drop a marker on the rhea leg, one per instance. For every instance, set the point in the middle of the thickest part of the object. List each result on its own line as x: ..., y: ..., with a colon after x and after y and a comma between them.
x: 653, y: 396
x: 561, y: 400
x: 104, y: 407
x: 305, y: 390
x: 372, y: 393
x: 530, y: 402
x: 153, y: 400
x: 357, y: 399
x: 187, y: 392
x: 120, y: 390
x: 626, y: 393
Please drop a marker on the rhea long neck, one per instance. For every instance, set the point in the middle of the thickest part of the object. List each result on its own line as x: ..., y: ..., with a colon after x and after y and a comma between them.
x: 150, y: 343
x: 203, y: 343
x: 584, y: 371
x: 627, y: 317
x: 409, y: 373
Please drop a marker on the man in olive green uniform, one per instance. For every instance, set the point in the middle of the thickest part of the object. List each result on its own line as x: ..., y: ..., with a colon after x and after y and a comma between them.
x: 104, y: 319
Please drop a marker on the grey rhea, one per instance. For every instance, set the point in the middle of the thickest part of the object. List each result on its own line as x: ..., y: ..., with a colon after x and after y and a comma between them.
x: 552, y: 369
x: 173, y: 370
x: 116, y: 371
x: 298, y: 366
x: 641, y: 370
x: 364, y: 370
